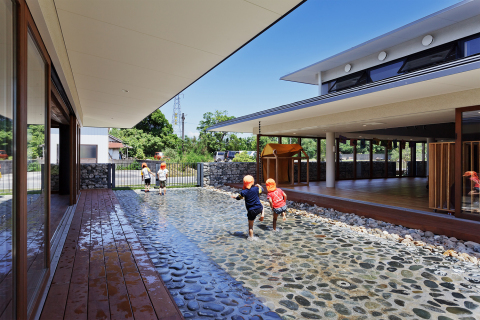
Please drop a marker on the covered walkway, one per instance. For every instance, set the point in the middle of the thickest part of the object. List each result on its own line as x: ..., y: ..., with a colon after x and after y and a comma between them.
x: 103, y: 271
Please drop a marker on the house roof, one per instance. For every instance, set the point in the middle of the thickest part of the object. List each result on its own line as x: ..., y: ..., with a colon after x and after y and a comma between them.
x: 458, y: 12
x: 114, y: 139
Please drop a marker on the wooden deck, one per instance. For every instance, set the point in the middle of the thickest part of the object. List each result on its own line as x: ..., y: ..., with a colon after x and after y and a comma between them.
x: 410, y: 193
x: 103, y: 271
x: 401, y: 201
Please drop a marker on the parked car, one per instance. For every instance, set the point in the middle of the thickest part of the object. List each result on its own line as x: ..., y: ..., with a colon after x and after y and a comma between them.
x: 252, y: 153
x: 158, y: 156
x: 230, y: 155
x: 3, y: 154
x: 219, y: 156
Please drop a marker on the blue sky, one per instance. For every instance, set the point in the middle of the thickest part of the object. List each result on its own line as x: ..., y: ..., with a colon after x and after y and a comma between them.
x: 248, y: 81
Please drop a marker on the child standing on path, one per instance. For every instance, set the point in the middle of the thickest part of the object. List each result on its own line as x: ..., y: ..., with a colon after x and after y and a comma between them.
x: 146, y: 175
x: 162, y: 176
x: 252, y: 202
x: 278, y: 201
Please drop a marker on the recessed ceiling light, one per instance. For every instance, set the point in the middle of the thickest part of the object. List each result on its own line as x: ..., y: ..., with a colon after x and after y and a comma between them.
x: 124, y: 90
x: 364, y: 125
x: 411, y: 139
x: 294, y: 133
x: 359, y: 136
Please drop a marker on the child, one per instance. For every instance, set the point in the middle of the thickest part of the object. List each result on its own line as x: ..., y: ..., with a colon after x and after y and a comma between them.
x: 278, y: 201
x: 162, y: 176
x: 252, y: 202
x: 146, y: 176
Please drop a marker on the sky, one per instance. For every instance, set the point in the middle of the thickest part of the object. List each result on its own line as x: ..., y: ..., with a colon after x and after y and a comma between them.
x: 249, y: 82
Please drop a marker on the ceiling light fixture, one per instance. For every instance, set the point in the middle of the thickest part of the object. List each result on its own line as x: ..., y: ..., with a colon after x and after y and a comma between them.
x: 124, y: 90
x: 382, y: 56
x: 364, y: 125
x: 348, y: 67
x: 427, y: 40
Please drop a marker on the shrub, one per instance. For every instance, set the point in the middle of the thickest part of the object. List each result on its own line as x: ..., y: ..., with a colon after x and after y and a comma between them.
x: 34, y: 166
x: 243, y: 157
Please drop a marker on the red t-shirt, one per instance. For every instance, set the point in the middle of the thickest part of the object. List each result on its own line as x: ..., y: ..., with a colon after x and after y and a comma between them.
x: 277, y: 198
x: 476, y: 181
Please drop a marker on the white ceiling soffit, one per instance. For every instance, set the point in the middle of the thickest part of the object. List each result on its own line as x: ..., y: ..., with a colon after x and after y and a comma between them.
x: 443, y: 18
x: 341, y: 115
x: 153, y: 49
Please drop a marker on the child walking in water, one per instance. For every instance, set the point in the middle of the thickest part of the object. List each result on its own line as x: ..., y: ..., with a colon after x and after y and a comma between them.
x: 146, y: 175
x: 162, y: 176
x: 252, y: 202
x: 278, y: 201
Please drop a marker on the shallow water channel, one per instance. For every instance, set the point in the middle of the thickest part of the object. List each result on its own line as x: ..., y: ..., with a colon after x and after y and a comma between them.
x: 197, y: 241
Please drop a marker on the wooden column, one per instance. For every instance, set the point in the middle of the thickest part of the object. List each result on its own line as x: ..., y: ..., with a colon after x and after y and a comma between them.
x: 371, y: 159
x: 400, y: 162
x: 354, y: 161
x: 19, y: 228
x: 73, y: 159
x: 386, y: 162
x: 413, y: 162
x: 300, y: 162
x: 319, y: 158
x: 458, y: 163
x: 258, y: 159
x: 337, y: 156
x: 279, y: 140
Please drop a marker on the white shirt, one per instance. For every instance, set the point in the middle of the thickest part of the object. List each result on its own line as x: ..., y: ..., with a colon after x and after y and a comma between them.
x: 162, y: 174
x: 146, y: 173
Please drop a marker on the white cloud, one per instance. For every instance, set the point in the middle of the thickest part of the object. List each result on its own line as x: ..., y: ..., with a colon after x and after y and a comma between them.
x: 192, y: 134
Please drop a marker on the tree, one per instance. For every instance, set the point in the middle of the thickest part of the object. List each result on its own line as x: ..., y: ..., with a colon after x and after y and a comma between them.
x: 35, y: 141
x: 213, y: 140
x: 155, y: 124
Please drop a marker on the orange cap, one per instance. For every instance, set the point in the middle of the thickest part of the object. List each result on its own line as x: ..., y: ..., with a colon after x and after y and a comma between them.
x: 271, y: 185
x: 163, y: 165
x: 248, y: 182
x: 144, y: 165
x: 470, y: 173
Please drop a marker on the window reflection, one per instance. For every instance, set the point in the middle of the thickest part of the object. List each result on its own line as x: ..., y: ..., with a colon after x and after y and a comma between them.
x: 36, y: 213
x: 471, y: 162
x: 6, y: 136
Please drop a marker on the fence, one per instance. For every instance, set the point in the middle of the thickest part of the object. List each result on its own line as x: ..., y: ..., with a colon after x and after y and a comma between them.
x: 128, y: 174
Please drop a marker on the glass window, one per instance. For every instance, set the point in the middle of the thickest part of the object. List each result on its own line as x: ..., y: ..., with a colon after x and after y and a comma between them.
x: 6, y: 153
x: 429, y: 57
x: 471, y: 162
x: 363, y: 159
x: 387, y: 71
x: 88, y: 151
x: 472, y: 47
x: 36, y: 213
x: 378, y: 160
x: 349, y: 81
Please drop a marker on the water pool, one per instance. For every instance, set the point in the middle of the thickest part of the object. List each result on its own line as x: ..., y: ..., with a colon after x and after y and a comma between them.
x: 197, y: 240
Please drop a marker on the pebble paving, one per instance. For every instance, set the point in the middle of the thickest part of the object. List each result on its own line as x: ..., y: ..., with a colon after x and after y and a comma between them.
x: 308, y: 270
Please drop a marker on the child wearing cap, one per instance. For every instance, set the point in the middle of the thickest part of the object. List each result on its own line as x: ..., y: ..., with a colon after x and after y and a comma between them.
x: 278, y: 201
x: 146, y: 176
x: 476, y: 181
x: 252, y: 202
x: 162, y: 176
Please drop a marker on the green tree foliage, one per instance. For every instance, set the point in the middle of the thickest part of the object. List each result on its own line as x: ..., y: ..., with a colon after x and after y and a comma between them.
x: 156, y: 124
x: 243, y: 157
x: 214, y: 141
x: 35, y: 138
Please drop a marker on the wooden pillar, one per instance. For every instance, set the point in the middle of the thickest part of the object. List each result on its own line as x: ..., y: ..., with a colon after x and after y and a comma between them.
x: 458, y: 163
x: 337, y: 162
x: 279, y: 140
x: 300, y: 162
x: 73, y: 159
x: 400, y: 162
x: 319, y: 158
x: 258, y: 159
x: 354, y: 161
x: 371, y: 159
x: 386, y: 162
x: 413, y: 162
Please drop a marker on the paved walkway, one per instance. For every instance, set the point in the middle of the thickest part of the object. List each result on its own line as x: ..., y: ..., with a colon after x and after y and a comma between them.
x: 104, y: 272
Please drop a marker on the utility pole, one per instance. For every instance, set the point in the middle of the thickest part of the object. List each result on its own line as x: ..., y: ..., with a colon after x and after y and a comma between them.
x: 183, y: 130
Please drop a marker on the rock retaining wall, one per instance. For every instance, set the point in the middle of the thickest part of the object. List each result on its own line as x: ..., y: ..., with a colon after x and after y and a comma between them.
x: 219, y: 173
x: 94, y: 176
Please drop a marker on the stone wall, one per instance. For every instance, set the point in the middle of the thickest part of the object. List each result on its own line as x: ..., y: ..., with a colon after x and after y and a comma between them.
x: 54, y: 178
x: 218, y: 173
x: 94, y: 176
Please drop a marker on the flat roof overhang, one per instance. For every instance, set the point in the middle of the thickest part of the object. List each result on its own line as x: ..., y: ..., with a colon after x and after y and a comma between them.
x: 152, y: 49
x: 458, y: 12
x: 427, y: 96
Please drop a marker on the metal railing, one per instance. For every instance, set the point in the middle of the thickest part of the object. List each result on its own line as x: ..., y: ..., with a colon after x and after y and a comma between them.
x: 128, y: 174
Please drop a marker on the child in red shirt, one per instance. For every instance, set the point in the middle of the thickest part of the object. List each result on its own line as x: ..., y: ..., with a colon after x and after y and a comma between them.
x: 278, y: 201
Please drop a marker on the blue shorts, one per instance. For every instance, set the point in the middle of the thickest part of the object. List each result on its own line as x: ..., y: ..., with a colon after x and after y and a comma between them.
x: 280, y: 210
x: 252, y: 214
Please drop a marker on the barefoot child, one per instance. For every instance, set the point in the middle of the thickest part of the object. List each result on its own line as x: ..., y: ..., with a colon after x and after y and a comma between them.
x: 252, y: 202
x: 278, y: 201
x: 146, y: 175
x: 162, y: 176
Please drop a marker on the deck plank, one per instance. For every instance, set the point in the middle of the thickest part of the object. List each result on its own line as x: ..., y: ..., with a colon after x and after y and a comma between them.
x: 103, y: 271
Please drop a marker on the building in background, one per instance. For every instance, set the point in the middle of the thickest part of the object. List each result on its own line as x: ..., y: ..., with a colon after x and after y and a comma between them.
x: 114, y: 148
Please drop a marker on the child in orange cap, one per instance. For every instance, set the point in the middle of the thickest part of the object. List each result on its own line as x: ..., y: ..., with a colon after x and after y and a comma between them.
x: 162, y: 176
x: 476, y: 181
x: 252, y: 202
x: 278, y: 201
x: 146, y: 176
